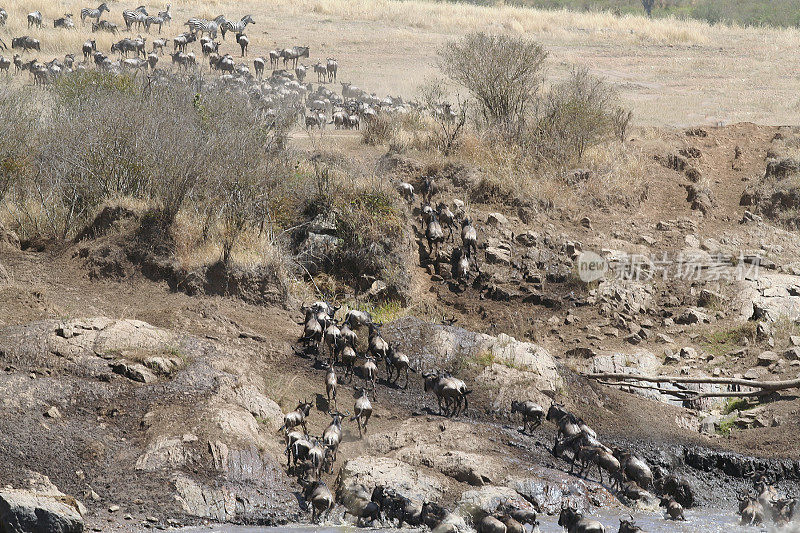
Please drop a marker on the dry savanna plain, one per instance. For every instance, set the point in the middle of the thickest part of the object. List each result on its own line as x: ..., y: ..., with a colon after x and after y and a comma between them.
x: 672, y: 72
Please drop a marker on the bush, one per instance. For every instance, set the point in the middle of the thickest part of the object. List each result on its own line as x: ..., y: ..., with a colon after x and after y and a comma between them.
x: 378, y: 130
x: 503, y: 74
x: 576, y: 115
x: 165, y: 147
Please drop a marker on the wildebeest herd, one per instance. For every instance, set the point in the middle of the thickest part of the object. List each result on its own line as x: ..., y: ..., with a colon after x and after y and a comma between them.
x: 284, y: 94
x: 333, y: 343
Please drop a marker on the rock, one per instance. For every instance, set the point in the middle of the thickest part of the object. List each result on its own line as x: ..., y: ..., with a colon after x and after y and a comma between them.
x: 498, y: 255
x: 688, y: 352
x: 529, y: 238
x: 582, y: 352
x: 474, y: 503
x: 23, y: 511
x: 767, y: 358
x: 163, y: 365
x: 113, y: 509
x: 497, y: 220
x: 671, y: 357
x: 647, y: 240
x: 795, y: 340
x: 466, y: 467
x: 377, y: 290
x: 133, y: 371
x: 692, y: 315
x: 756, y: 373
x: 666, y: 339
x: 710, y: 424
x: 323, y: 224
x: 793, y: 353
x: 586, y: 222
x: 101, y: 336
x: 709, y: 298
x: 53, y: 412
x: 371, y: 471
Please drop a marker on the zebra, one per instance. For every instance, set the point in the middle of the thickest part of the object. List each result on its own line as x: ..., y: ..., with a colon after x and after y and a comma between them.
x: 202, y: 26
x: 136, y: 16
x: 88, y: 12
x: 166, y: 15
x: 35, y: 19
x: 236, y: 27
x: 149, y: 21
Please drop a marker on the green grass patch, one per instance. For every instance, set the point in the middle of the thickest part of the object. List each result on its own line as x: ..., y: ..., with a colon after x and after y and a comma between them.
x: 484, y: 359
x: 724, y: 341
x: 726, y: 427
x: 735, y: 404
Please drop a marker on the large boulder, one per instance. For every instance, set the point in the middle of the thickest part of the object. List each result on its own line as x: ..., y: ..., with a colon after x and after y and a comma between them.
x: 404, y: 478
x: 41, y: 508
x: 102, y: 336
x: 479, y: 502
x: 441, y: 346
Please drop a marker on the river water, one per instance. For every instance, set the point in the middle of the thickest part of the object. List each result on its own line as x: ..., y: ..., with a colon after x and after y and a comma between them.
x: 697, y: 520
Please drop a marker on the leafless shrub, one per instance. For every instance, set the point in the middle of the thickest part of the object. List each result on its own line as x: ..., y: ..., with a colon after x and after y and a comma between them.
x: 450, y: 119
x: 379, y: 130
x: 503, y: 73
x: 575, y: 115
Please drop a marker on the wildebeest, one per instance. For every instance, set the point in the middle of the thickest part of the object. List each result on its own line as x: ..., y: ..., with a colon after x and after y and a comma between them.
x: 319, y: 498
x: 35, y: 19
x: 89, y: 47
x: 362, y: 411
x: 674, y: 509
x: 297, y: 417
x: 64, y: 22
x: 750, y: 510
x: 575, y: 522
x: 105, y: 25
x: 628, y: 526
x: 397, y: 363
x: 448, y: 389
x: 532, y: 413
x: 634, y: 468
x: 26, y: 43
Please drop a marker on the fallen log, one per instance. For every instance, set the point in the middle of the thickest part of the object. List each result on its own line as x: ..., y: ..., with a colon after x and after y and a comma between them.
x: 764, y: 386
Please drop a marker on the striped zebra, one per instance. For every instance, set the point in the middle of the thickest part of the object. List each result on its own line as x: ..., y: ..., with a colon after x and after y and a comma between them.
x: 135, y: 16
x: 203, y: 26
x: 88, y: 12
x: 166, y: 15
x: 149, y: 21
x: 236, y: 27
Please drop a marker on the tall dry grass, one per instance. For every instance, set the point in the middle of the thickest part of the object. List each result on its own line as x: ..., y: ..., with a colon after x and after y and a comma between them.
x: 445, y: 17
